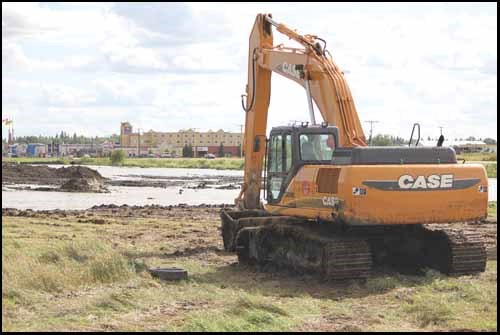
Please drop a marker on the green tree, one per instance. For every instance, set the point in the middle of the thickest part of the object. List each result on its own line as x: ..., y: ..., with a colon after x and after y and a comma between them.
x: 117, y: 157
x: 489, y: 140
x: 190, y: 151
x: 221, y: 150
x: 382, y: 140
x: 187, y: 151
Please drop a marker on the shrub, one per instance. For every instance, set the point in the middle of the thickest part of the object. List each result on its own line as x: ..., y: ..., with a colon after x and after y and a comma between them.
x: 117, y: 157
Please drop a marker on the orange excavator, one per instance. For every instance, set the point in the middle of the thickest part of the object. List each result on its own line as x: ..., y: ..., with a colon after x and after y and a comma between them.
x: 333, y: 205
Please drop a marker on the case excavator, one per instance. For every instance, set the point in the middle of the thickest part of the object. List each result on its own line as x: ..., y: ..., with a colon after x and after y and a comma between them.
x: 333, y: 205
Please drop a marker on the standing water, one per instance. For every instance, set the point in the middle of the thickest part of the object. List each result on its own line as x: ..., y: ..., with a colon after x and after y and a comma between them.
x: 140, y: 196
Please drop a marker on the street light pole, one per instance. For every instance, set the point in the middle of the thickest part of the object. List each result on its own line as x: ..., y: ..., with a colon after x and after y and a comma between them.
x: 138, y: 142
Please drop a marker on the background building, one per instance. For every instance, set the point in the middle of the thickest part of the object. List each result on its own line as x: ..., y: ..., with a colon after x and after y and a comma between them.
x: 462, y: 146
x: 173, y: 142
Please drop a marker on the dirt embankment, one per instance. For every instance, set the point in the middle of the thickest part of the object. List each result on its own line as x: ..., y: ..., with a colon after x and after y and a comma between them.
x: 180, y: 211
x: 69, y: 179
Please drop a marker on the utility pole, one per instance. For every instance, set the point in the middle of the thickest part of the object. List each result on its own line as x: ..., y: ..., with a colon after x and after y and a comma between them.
x: 371, y: 122
x: 241, y: 139
x: 441, y: 129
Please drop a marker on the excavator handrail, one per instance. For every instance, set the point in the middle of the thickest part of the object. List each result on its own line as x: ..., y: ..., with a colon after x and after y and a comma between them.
x: 411, y: 136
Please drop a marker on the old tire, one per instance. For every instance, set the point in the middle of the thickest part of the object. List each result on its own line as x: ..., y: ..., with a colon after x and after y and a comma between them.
x: 169, y: 273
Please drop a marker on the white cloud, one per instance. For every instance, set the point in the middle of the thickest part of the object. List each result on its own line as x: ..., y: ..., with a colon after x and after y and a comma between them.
x: 170, y: 66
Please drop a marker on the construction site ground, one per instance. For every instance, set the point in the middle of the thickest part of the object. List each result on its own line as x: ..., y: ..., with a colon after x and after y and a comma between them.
x: 87, y: 271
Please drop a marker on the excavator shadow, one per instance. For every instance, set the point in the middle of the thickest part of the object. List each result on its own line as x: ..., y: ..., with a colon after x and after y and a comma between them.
x: 271, y: 281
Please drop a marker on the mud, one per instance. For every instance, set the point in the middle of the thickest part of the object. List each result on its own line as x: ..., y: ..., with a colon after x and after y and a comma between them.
x: 180, y: 211
x: 188, y: 182
x: 84, y: 185
x: 44, y: 175
x: 102, y: 214
x: 69, y: 179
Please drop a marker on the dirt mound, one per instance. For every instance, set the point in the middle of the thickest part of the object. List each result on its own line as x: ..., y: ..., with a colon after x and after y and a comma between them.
x: 26, y: 174
x: 79, y: 172
x: 84, y: 185
x: 41, y: 174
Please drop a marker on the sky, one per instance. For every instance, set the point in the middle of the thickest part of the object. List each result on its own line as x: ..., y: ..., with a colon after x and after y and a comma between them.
x: 86, y: 67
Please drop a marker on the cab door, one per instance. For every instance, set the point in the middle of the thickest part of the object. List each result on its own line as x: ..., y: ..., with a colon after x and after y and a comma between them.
x: 279, y: 165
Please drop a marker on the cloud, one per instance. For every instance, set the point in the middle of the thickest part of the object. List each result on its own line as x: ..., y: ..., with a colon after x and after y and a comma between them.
x: 16, y: 21
x: 165, y: 66
x: 172, y: 23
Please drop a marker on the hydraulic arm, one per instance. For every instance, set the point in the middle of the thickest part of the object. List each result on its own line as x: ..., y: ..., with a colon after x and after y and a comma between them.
x: 311, y: 67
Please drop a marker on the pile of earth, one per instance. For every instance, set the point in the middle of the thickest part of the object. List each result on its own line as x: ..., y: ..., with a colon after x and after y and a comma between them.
x: 84, y: 185
x: 72, y: 178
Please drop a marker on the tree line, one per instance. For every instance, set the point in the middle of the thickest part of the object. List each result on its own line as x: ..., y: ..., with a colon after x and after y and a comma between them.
x: 66, y: 138
x: 187, y: 151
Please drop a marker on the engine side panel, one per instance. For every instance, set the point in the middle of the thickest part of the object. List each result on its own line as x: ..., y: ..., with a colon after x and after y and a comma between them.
x: 388, y: 194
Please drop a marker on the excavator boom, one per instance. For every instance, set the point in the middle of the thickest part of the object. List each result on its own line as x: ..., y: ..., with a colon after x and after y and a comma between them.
x: 311, y: 67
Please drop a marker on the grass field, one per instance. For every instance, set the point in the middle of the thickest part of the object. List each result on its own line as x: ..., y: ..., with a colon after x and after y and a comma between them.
x: 479, y: 156
x: 491, y: 170
x: 492, y: 208
x: 195, y: 163
x: 81, y: 272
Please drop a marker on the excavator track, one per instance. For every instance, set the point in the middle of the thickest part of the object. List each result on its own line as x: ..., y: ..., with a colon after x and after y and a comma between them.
x: 456, y: 252
x: 301, y: 249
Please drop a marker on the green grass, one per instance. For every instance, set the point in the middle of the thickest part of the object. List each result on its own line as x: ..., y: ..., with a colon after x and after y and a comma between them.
x: 491, y: 170
x: 478, y: 156
x: 492, y: 208
x: 59, y: 274
x: 195, y: 163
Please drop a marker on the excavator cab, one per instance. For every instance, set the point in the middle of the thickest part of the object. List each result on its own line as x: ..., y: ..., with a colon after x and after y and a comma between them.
x: 290, y: 148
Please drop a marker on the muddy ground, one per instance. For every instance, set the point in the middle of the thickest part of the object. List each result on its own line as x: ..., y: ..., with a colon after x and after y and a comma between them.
x: 189, y: 182
x: 204, y: 212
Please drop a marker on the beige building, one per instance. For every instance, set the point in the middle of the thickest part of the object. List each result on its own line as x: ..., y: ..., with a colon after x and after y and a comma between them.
x: 173, y: 142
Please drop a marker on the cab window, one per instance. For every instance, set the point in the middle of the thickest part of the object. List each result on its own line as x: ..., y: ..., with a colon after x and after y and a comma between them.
x: 276, y: 159
x: 316, y: 147
x: 288, y: 152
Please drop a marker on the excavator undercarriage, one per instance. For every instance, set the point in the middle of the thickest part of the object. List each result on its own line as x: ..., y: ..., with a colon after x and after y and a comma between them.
x: 341, y: 252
